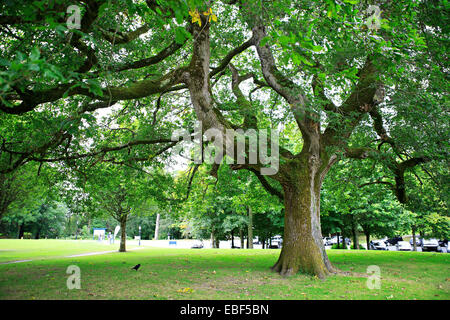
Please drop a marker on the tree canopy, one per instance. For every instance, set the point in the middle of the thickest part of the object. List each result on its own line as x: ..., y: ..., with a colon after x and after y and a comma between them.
x: 335, y: 79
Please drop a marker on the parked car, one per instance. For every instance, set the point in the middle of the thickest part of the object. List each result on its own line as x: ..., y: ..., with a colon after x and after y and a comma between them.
x: 448, y: 247
x: 393, y: 241
x: 334, y: 240
x: 377, y: 245
x: 326, y: 241
x: 197, y: 245
x: 430, y: 245
x: 276, y: 242
x: 418, y: 242
x: 403, y: 246
x: 444, y: 246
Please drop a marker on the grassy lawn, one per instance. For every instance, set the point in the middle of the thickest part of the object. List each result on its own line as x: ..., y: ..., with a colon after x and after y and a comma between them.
x: 211, y: 274
x: 13, y: 250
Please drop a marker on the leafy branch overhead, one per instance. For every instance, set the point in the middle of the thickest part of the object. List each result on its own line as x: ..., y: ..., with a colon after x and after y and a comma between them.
x: 336, y: 80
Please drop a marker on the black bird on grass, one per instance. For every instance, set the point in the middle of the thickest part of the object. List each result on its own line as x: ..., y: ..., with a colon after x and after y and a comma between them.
x: 136, y: 267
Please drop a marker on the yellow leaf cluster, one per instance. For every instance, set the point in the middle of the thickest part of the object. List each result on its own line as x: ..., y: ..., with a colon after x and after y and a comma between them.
x: 196, y: 16
x: 186, y: 290
x: 211, y: 15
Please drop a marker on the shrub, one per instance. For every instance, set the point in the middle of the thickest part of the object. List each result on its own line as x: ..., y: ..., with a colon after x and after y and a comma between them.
x: 27, y: 235
x: 341, y: 246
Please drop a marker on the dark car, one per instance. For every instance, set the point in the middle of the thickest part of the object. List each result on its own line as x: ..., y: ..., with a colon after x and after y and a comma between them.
x: 393, y: 241
x: 443, y: 246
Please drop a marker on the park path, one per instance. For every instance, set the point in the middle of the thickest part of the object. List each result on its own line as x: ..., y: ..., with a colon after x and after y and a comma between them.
x: 74, y: 255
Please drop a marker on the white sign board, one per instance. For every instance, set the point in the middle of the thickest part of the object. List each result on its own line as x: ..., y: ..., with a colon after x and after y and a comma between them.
x: 100, y: 233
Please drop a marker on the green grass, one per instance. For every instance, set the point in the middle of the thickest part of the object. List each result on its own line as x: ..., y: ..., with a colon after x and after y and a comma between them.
x: 13, y: 250
x: 217, y: 274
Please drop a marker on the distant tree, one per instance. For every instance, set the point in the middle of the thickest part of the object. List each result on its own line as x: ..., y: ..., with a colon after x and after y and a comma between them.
x: 120, y: 192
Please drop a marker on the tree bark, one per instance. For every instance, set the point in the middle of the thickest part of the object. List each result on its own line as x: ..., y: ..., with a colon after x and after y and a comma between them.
x: 123, y: 234
x: 368, y: 240
x: 355, y: 234
x: 414, y: 238
x: 213, y: 243
x: 241, y: 237
x: 250, y: 229
x: 20, y: 231
x: 338, y: 239
x: 232, y: 239
x: 303, y: 248
x: 217, y: 243
x: 38, y: 234
x: 157, y: 227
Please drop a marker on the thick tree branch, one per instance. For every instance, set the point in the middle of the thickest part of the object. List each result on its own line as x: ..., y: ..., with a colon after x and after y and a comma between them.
x: 121, y: 38
x: 267, y: 185
x: 362, y: 100
x: 163, y: 54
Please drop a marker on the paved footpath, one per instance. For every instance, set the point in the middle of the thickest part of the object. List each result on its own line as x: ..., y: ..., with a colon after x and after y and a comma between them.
x: 74, y: 255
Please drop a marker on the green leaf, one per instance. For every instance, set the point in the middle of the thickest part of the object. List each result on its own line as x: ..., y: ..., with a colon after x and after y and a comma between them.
x: 95, y: 87
x: 264, y: 41
x: 284, y: 40
x: 35, y: 54
x: 180, y: 35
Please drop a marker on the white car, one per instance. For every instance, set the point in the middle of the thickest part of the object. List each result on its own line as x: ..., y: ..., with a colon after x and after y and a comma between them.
x: 403, y: 246
x: 378, y: 245
x: 277, y: 241
x: 326, y: 241
x: 197, y: 245
x: 430, y: 245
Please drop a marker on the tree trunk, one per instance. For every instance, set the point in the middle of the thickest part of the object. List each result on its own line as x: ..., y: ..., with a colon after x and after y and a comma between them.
x: 241, y: 237
x: 232, y: 239
x: 414, y: 238
x: 338, y: 239
x: 303, y: 248
x: 355, y: 234
x: 157, y: 227
x: 213, y: 243
x: 20, y: 230
x: 123, y: 234
x: 90, y: 224
x: 250, y: 229
x: 356, y: 241
x: 38, y: 233
x: 368, y: 240
x: 217, y: 242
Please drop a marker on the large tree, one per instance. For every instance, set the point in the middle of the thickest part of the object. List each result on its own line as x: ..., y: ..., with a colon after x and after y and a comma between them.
x: 165, y: 63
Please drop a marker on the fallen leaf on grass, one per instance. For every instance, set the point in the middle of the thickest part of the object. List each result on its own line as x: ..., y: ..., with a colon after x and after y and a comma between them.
x: 186, y: 290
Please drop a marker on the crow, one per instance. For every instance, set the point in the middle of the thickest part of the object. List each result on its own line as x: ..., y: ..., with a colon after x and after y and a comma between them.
x: 136, y: 267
